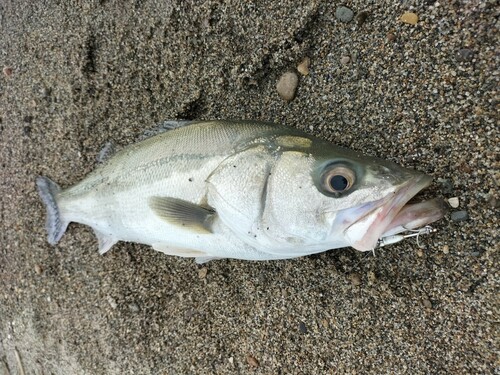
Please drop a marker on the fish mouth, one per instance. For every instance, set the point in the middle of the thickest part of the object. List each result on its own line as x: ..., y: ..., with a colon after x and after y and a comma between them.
x: 393, y: 215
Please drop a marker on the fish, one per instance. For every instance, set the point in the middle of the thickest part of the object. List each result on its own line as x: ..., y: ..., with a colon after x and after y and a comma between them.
x: 243, y: 190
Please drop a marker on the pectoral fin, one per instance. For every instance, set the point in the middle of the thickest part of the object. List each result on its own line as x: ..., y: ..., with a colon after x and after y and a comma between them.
x: 183, y: 214
x: 178, y: 251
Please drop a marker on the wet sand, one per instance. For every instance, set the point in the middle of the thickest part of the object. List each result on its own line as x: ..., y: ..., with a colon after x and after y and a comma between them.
x: 75, y: 77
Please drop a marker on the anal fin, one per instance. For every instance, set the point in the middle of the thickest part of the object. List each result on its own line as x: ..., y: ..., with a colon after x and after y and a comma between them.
x: 178, y: 251
x: 201, y: 260
x: 105, y: 241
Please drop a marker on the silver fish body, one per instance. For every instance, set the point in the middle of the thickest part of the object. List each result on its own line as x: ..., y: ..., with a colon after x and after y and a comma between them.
x: 245, y: 190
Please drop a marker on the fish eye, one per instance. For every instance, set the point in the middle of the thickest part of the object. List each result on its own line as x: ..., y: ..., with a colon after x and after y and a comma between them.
x: 338, y: 179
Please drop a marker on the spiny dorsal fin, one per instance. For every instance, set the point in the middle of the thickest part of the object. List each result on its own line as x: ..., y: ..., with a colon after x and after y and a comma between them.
x: 107, y: 151
x: 184, y: 214
x: 164, y: 127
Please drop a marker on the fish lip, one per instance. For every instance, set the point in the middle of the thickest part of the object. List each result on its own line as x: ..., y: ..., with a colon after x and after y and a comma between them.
x: 386, y: 210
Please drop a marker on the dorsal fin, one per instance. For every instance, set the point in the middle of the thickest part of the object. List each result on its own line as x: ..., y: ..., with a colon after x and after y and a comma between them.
x: 164, y: 127
x: 183, y: 214
x: 106, y: 152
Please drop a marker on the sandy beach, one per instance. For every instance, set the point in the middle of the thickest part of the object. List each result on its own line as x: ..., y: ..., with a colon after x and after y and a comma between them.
x: 421, y: 92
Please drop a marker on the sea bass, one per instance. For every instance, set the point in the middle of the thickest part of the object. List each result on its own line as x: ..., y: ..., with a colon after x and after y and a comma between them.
x: 241, y: 189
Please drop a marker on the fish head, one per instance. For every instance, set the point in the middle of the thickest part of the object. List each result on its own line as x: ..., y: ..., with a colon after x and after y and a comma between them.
x: 328, y: 195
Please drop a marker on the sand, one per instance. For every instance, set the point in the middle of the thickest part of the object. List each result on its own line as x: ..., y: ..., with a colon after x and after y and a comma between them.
x: 78, y: 76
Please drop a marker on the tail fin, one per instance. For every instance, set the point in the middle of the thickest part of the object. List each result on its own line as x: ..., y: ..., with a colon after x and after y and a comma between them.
x: 55, y: 225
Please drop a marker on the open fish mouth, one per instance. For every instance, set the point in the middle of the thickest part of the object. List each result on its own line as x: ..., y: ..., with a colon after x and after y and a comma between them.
x: 393, y: 215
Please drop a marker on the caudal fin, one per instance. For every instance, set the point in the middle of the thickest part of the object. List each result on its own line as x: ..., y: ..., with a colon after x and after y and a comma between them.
x: 54, y: 224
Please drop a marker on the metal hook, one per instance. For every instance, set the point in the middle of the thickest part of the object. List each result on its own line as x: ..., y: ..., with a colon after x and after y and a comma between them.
x: 384, y: 241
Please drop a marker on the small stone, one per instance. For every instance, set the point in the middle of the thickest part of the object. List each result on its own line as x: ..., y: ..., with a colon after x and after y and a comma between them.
x: 420, y: 253
x: 302, y: 327
x: 391, y: 37
x: 409, y: 18
x: 344, y: 14
x: 189, y: 314
x: 491, y: 199
x: 7, y: 71
x: 465, y: 54
x: 287, y: 85
x: 324, y: 323
x: 453, y: 202
x: 355, y: 279
x: 446, y: 185
x: 459, y: 216
x: 344, y: 60
x: 252, y: 361
x: 231, y: 360
x: 361, y: 17
x: 133, y: 307
x: 372, y: 277
x: 202, y: 272
x: 38, y: 269
x: 446, y: 249
x: 303, y: 67
x: 112, y: 302
x: 427, y: 303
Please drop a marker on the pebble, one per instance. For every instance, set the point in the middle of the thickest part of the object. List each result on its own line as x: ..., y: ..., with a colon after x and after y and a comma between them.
x: 133, y: 307
x: 446, y: 249
x: 420, y: 253
x: 38, y: 269
x: 252, y: 361
x: 303, y: 67
x: 302, y: 327
x: 409, y: 18
x: 287, y: 85
x: 391, y: 37
x: 427, y: 303
x: 7, y: 71
x: 112, y: 302
x: 372, y: 278
x: 361, y: 17
x: 459, y: 216
x: 491, y: 199
x: 465, y: 54
x: 453, y: 202
x: 344, y: 14
x: 446, y: 185
x: 355, y: 279
x: 202, y: 272
x: 344, y: 60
